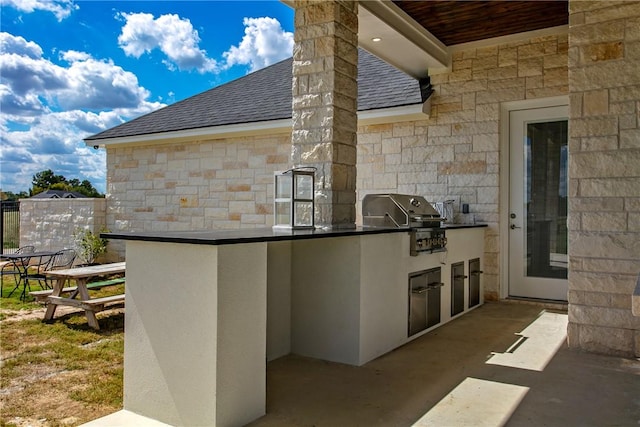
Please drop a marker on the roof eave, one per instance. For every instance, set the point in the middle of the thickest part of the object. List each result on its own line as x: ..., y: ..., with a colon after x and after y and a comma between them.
x: 402, y: 113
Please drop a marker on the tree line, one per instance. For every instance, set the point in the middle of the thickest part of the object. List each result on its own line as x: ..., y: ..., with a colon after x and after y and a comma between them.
x: 48, y: 180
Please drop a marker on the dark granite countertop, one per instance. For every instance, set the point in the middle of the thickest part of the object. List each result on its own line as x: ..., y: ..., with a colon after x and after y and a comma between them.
x: 253, y: 235
x: 456, y: 226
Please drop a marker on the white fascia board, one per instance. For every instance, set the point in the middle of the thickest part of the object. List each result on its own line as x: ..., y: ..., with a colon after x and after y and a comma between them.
x: 404, y: 113
x: 272, y: 127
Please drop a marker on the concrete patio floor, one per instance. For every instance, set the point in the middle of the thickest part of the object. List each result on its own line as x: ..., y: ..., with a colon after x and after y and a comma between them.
x: 504, y: 363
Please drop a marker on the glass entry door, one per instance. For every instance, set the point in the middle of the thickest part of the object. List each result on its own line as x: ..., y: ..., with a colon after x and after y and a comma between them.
x: 538, y: 152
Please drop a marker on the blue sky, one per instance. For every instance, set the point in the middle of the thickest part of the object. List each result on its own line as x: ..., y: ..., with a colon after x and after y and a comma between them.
x: 70, y: 69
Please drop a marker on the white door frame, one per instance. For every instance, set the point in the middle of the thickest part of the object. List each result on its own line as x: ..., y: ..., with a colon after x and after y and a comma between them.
x: 505, y: 109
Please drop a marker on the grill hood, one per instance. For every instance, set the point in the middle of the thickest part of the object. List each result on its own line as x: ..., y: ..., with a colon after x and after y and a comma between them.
x: 398, y: 210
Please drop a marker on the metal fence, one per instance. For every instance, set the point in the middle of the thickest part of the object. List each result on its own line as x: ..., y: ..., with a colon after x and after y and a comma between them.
x: 9, y: 226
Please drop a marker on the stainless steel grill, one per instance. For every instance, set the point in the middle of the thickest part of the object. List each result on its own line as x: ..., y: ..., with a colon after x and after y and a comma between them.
x: 406, y: 211
x: 398, y: 210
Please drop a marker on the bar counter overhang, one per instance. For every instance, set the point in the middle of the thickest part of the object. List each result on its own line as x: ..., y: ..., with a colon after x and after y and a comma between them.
x: 253, y: 235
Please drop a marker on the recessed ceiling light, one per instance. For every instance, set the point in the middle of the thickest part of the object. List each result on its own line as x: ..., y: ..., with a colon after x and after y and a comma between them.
x: 376, y: 39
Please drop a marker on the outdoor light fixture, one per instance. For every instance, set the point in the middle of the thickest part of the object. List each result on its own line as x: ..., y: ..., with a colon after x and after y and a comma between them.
x: 293, y: 204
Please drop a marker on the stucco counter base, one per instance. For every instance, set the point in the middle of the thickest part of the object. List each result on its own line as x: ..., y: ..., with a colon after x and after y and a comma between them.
x: 205, y: 311
x: 195, y: 340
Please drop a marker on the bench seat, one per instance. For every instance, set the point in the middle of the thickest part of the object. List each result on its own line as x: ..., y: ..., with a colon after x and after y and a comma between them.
x: 96, y: 304
x: 106, y: 300
x: 41, y: 296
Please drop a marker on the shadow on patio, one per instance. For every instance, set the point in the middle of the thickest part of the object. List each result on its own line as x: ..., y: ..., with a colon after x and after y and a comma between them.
x: 502, y: 364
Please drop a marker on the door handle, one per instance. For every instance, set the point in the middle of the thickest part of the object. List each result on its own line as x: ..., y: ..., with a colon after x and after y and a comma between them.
x: 513, y: 226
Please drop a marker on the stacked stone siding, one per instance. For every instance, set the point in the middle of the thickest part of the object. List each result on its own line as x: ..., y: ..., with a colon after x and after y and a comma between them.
x: 604, y: 171
x: 325, y: 93
x: 209, y: 184
x: 455, y: 154
x: 49, y: 224
x: 228, y: 183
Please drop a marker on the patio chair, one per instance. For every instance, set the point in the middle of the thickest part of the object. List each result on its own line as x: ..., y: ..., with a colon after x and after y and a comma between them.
x: 60, y: 260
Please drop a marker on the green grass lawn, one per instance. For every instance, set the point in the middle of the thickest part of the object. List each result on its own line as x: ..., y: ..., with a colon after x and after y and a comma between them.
x: 61, y: 373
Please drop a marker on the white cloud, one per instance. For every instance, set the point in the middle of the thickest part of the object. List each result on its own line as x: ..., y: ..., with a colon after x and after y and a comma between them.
x: 95, y: 94
x: 19, y: 46
x: 174, y: 36
x: 26, y: 105
x: 98, y: 84
x: 54, y: 141
x: 60, y: 8
x: 32, y: 83
x: 264, y: 43
x: 75, y: 56
x: 24, y: 71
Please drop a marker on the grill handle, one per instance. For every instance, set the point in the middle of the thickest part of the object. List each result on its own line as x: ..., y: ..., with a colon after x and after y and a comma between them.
x: 392, y: 220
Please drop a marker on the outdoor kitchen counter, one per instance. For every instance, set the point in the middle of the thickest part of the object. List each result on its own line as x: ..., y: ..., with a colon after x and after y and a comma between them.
x: 252, y: 235
x: 207, y: 309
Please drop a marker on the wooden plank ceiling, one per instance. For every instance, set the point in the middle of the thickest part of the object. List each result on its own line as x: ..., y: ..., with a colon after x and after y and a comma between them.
x: 455, y: 22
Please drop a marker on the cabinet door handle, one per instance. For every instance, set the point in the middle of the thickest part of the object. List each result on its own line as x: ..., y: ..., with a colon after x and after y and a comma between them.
x: 435, y: 285
x: 475, y: 273
x: 459, y: 276
x: 420, y: 290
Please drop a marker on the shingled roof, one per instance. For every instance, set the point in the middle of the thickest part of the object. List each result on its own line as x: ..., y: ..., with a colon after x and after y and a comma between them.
x: 266, y: 95
x: 59, y: 194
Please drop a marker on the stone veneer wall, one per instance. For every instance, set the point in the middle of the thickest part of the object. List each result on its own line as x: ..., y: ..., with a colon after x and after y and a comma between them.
x: 604, y: 173
x: 209, y: 184
x: 49, y: 224
x: 455, y: 154
x: 228, y: 183
x: 325, y: 98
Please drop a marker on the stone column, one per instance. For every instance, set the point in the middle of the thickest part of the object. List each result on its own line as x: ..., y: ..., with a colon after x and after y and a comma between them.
x: 604, y: 175
x: 325, y: 96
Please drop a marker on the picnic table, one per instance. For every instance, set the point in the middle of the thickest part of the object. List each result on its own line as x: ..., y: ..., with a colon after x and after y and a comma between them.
x: 82, y: 275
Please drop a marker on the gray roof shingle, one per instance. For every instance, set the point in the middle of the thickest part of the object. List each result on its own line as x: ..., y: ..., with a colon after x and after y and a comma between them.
x: 266, y: 95
x: 58, y: 194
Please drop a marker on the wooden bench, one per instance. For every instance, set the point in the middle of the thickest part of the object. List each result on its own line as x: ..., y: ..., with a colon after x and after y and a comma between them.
x: 41, y: 296
x: 94, y: 304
